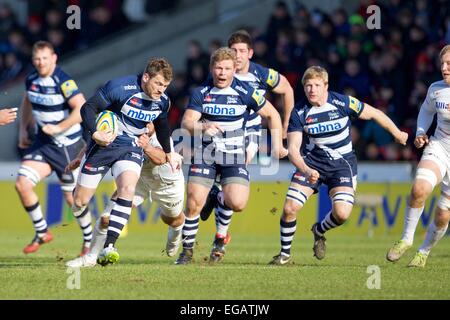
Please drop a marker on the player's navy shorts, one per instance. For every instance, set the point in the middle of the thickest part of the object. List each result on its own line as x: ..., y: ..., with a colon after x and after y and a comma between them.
x: 99, y: 160
x: 57, y: 157
x: 333, y: 173
x: 205, y: 174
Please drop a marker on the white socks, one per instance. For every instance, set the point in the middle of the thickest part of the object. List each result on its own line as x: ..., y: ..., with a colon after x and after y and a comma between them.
x: 412, y: 217
x: 433, y: 236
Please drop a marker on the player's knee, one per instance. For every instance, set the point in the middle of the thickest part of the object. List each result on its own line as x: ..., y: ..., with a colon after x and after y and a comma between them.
x: 193, y: 206
x: 27, y: 179
x: 424, y: 184
x: 237, y: 205
x: 80, y: 201
x: 341, y: 214
x: 419, y: 193
x: 291, y: 209
x: 126, y: 191
x: 23, y: 185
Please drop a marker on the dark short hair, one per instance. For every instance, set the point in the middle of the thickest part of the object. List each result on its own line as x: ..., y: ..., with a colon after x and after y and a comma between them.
x: 240, y: 36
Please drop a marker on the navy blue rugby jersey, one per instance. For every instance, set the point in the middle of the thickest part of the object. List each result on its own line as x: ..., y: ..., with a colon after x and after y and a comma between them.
x: 134, y: 108
x: 229, y: 109
x: 327, y: 126
x: 49, y: 98
x: 262, y: 79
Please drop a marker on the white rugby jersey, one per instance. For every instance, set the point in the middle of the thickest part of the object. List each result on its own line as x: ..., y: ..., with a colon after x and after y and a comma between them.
x: 163, y: 171
x: 437, y: 102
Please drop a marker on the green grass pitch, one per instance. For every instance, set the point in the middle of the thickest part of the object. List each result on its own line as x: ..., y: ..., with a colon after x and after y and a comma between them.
x: 144, y: 271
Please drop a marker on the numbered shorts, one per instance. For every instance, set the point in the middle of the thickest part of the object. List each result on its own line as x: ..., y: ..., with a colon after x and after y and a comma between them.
x: 117, y: 157
x: 205, y: 174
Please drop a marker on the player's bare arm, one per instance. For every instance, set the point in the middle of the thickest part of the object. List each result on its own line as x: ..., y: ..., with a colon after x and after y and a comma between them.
x: 284, y: 88
x: 75, y: 103
x: 370, y: 113
x: 274, y: 121
x: 191, y: 122
x: 294, y: 142
x: 25, y: 121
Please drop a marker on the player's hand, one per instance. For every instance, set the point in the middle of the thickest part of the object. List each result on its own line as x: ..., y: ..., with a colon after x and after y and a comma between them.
x: 75, y: 163
x: 150, y: 129
x: 175, y: 160
x: 51, y: 129
x: 7, y: 116
x: 103, y: 138
x: 312, y: 175
x: 24, y: 140
x: 283, y: 153
x: 211, y: 129
x: 143, y: 140
x: 421, y: 140
x: 402, y: 138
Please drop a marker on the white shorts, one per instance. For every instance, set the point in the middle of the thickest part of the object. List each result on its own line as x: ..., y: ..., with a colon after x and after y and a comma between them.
x: 169, y: 193
x: 435, y: 152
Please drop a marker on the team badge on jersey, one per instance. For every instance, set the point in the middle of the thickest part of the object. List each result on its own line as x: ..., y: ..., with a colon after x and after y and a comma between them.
x: 68, y: 88
x: 272, y: 78
x: 355, y: 104
x: 258, y: 97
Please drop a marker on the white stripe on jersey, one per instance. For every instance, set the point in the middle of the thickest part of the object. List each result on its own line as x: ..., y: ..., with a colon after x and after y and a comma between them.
x: 328, y: 127
x: 246, y: 77
x: 331, y: 140
x: 45, y: 99
x: 338, y: 152
x: 222, y: 142
x: 42, y: 118
x: 229, y: 91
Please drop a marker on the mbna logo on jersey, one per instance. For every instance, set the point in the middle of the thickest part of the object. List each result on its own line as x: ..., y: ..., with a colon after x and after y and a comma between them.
x: 323, y: 128
x: 220, y: 110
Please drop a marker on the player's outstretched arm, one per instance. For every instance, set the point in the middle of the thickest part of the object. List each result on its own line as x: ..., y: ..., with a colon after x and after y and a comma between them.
x: 274, y: 122
x: 25, y: 120
x: 284, y: 88
x: 370, y: 113
x: 294, y: 143
x: 424, y: 120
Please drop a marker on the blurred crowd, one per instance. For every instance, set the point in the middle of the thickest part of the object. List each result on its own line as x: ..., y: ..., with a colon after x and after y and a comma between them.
x: 46, y: 20
x: 390, y: 68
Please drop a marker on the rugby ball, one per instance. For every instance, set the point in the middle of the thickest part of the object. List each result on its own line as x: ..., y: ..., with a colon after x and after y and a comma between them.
x: 107, y: 120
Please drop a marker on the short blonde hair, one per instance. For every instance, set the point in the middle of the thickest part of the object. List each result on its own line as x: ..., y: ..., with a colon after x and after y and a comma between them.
x: 221, y: 54
x: 315, y: 72
x: 444, y: 51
